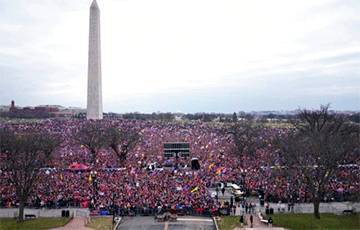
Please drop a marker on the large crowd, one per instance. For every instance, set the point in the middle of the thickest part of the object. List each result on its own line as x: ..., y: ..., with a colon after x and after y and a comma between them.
x: 170, y: 184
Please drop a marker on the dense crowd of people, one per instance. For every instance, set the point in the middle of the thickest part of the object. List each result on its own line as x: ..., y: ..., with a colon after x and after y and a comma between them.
x: 172, y: 183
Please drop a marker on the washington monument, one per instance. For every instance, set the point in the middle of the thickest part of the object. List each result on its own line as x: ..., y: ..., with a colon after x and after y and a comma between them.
x: 94, y: 93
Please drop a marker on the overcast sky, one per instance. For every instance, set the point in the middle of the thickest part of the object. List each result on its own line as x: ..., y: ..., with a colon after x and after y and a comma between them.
x: 184, y: 55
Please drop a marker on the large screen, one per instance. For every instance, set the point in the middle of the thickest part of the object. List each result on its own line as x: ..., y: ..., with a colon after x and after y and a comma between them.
x: 182, y: 149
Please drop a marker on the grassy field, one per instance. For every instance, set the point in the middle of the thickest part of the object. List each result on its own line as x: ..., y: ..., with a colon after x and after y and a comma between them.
x: 100, y: 223
x: 40, y: 223
x: 307, y: 221
x: 229, y: 222
x: 302, y: 222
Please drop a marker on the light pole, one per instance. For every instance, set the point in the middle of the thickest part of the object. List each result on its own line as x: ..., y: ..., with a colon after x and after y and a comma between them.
x: 217, y: 193
x: 93, y: 174
x: 113, y: 207
x: 176, y: 160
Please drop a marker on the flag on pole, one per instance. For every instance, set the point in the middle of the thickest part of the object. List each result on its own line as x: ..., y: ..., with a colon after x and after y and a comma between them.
x: 211, y: 165
x: 219, y: 170
x: 194, y: 189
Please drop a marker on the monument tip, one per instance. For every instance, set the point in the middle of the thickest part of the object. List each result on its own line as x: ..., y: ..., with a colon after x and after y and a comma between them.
x: 94, y: 5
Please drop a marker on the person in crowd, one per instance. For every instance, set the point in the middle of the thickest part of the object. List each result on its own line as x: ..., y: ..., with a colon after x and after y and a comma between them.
x: 241, y: 221
x: 270, y: 222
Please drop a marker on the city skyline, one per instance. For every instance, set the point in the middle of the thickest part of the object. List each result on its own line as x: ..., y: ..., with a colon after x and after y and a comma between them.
x: 188, y: 56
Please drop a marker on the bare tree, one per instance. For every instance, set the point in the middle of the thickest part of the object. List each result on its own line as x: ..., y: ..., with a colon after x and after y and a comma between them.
x: 247, y: 136
x: 121, y: 141
x: 92, y: 135
x: 318, y: 144
x: 24, y: 154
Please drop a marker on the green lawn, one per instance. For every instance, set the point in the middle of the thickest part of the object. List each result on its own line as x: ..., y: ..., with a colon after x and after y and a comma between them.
x: 307, y: 221
x: 229, y: 222
x: 40, y: 223
x: 100, y: 223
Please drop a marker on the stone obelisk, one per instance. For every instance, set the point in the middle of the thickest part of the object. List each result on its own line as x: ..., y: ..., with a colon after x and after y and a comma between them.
x: 94, y: 93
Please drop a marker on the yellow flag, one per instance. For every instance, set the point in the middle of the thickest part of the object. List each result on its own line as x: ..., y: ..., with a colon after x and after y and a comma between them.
x: 90, y: 178
x: 219, y: 170
x: 211, y: 165
x: 195, y: 189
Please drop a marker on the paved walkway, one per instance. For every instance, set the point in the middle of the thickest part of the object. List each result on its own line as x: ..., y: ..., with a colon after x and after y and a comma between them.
x: 77, y: 223
x: 182, y: 223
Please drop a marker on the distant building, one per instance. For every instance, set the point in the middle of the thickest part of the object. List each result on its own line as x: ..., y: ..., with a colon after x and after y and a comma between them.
x: 12, y: 106
x: 41, y: 111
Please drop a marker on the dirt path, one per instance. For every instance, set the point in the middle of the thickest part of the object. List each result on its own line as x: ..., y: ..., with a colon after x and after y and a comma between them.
x: 77, y: 223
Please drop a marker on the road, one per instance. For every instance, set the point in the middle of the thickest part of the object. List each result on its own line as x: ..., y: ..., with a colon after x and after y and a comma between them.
x: 182, y: 223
